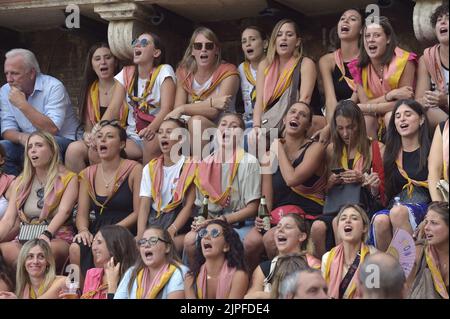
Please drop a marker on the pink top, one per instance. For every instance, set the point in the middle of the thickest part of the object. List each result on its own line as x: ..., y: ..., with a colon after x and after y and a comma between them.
x: 93, y: 285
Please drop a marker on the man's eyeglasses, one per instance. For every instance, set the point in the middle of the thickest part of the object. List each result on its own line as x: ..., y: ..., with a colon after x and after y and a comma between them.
x: 143, y: 43
x: 152, y: 241
x: 214, y: 233
x: 199, y: 45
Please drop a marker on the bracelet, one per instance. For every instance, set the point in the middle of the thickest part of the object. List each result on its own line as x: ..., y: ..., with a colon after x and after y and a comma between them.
x: 48, y: 234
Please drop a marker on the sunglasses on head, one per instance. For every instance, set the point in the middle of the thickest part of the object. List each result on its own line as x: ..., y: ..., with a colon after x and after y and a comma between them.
x: 199, y: 45
x: 104, y: 123
x: 152, y: 241
x: 214, y: 233
x: 143, y: 42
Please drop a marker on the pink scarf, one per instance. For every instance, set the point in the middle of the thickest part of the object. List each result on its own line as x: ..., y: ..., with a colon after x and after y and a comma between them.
x: 51, y: 201
x: 334, y: 272
x: 88, y: 176
x: 223, y: 284
x: 223, y: 71
x: 368, y: 78
x: 432, y: 259
x: 93, y: 288
x: 209, y: 177
x: 340, y: 64
x: 277, y: 81
x: 433, y: 64
x: 5, y: 182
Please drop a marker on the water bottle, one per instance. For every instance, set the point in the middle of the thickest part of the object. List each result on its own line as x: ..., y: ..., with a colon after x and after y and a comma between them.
x: 397, y: 201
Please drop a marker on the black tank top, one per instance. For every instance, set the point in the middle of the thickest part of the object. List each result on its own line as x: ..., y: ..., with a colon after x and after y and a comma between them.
x: 410, y: 164
x: 284, y: 195
x: 341, y: 88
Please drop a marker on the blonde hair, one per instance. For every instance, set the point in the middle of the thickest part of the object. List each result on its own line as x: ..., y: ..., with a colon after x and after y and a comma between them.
x: 188, y: 61
x: 22, y: 276
x: 364, y: 217
x: 52, y: 170
x: 272, y: 49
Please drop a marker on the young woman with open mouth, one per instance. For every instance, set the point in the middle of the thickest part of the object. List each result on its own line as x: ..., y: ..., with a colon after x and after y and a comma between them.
x: 361, y: 161
x: 158, y: 272
x: 109, y: 190
x: 219, y: 271
x: 291, y: 237
x: 231, y: 178
x: 284, y: 66
x: 254, y: 45
x: 432, y: 77
x: 406, y: 172
x: 338, y: 83
x: 149, y: 89
x: 95, y: 97
x: 167, y: 191
x: 206, y: 85
x: 340, y: 266
x: 299, y: 179
x: 384, y: 74
x: 45, y: 192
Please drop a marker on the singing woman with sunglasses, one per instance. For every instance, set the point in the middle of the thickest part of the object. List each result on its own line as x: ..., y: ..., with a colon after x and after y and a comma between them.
x: 167, y: 191
x: 109, y: 190
x: 219, y: 271
x: 206, y: 84
x: 291, y: 236
x: 45, y: 192
x: 149, y: 89
x: 158, y: 272
x: 95, y: 97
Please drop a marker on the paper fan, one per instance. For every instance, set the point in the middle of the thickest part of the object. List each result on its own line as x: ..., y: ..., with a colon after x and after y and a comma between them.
x: 403, y: 248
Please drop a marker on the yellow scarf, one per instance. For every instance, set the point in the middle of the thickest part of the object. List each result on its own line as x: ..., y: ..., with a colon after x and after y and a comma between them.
x: 250, y: 78
x: 410, y: 182
x: 40, y: 291
x: 344, y: 159
x: 157, y: 287
x: 438, y: 281
x: 141, y: 102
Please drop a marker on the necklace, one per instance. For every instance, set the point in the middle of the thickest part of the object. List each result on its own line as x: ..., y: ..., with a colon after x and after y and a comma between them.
x: 106, y: 92
x: 108, y: 182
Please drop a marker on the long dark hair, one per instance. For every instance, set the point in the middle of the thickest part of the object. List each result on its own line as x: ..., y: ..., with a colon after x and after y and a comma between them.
x: 334, y: 32
x: 350, y: 110
x: 394, y: 144
x: 234, y: 257
x: 89, y: 76
x: 121, y: 245
x: 364, y: 59
x: 7, y: 274
x: 172, y: 257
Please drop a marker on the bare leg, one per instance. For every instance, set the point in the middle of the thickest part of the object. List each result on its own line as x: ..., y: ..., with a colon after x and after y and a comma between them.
x: 76, y: 156
x: 400, y: 218
x: 318, y: 123
x: 179, y: 242
x: 197, y: 125
x: 60, y: 249
x: 10, y: 251
x: 318, y: 237
x: 253, y: 248
x: 151, y: 150
x: 189, y: 246
x: 337, y: 239
x: 371, y: 126
x: 269, y: 243
x: 134, y: 152
x: 383, y: 233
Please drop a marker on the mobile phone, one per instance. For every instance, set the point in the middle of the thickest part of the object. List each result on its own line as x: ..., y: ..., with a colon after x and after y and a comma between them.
x: 338, y: 170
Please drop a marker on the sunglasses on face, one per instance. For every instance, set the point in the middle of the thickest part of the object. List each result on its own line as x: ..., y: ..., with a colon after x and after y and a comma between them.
x: 214, y: 233
x: 199, y: 45
x: 152, y: 241
x: 143, y: 43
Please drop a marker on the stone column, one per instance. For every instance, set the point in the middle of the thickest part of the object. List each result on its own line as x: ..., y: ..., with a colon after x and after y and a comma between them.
x: 126, y: 21
x: 421, y: 20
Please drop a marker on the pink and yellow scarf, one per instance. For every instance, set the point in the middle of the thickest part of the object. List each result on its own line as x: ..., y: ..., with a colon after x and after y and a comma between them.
x: 432, y: 260
x: 223, y: 285
x: 433, y: 64
x: 5, y: 181
x: 150, y: 290
x: 410, y: 182
x: 340, y: 64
